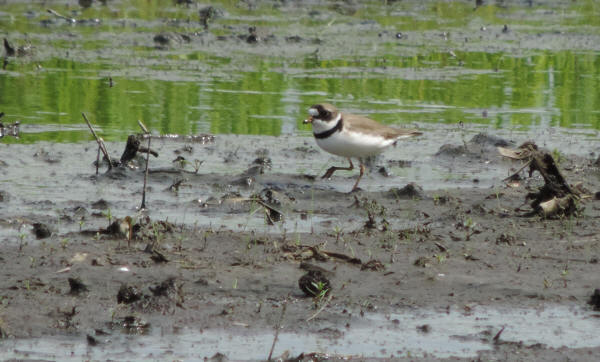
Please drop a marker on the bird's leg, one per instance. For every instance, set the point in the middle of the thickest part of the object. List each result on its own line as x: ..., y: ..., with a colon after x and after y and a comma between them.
x: 362, y: 171
x: 332, y: 169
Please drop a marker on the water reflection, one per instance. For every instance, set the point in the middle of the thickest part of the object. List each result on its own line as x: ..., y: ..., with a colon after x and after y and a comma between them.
x: 114, y: 74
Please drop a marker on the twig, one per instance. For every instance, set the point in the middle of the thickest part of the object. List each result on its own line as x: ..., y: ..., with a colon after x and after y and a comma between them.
x: 55, y: 13
x: 99, y: 140
x: 516, y: 173
x: 278, y: 327
x: 143, y: 127
x: 322, y: 307
x: 98, y: 160
x: 441, y: 246
x: 548, y: 257
x: 145, y: 150
x: 496, y: 338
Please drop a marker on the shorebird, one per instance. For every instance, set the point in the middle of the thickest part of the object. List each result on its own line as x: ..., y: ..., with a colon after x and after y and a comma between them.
x: 350, y: 135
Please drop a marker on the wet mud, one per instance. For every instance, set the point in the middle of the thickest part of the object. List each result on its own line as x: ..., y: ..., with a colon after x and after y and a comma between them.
x: 243, y: 252
x: 229, y: 231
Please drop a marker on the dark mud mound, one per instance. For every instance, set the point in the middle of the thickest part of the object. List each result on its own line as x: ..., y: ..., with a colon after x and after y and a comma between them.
x: 481, y: 147
x: 408, y: 192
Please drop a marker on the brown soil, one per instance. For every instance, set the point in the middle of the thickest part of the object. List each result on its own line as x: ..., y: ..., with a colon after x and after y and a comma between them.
x: 398, y: 249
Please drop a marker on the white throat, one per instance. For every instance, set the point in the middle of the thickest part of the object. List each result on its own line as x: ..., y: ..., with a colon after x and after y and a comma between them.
x: 320, y: 126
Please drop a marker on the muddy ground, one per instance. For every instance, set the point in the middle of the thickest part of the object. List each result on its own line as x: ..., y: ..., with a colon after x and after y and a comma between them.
x: 399, y: 249
x: 213, y: 267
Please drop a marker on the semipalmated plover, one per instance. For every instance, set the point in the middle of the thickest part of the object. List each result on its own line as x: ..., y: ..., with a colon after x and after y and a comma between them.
x: 350, y: 135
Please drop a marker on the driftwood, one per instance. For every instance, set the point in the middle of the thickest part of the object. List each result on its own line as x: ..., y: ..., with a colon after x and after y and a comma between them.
x: 556, y: 197
x: 132, y: 147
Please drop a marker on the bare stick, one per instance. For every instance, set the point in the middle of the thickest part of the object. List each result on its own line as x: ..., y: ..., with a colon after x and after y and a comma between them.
x: 278, y: 327
x: 519, y: 170
x: 496, y: 338
x: 98, y: 160
x: 548, y: 257
x: 58, y: 15
x: 99, y: 140
x: 143, y: 127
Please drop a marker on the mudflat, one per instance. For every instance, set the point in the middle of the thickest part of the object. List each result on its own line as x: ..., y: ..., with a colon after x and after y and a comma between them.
x: 219, y: 250
x: 438, y: 256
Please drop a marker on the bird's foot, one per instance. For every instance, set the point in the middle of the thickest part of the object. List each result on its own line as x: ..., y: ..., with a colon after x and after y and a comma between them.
x: 329, y: 172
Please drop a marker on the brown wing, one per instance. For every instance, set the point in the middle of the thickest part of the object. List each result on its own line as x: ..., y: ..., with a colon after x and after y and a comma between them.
x: 366, y: 125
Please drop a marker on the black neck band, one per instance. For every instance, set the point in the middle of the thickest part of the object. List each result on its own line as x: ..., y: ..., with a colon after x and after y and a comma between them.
x: 329, y: 132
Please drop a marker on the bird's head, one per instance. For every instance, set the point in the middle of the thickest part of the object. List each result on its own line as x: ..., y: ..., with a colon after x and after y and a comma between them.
x: 321, y: 112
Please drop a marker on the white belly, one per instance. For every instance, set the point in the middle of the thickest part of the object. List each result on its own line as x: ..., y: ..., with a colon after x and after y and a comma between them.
x: 348, y: 144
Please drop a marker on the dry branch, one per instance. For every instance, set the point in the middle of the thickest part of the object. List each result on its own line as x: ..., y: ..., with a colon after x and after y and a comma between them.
x: 143, y: 127
x: 556, y: 197
x: 99, y: 140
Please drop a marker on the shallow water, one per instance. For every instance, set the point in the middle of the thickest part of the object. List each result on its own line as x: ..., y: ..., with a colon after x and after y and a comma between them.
x: 48, y: 182
x: 452, y: 64
x: 456, y: 333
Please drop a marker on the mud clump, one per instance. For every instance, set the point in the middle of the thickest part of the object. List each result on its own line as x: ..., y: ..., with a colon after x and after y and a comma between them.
x: 425, y: 328
x: 595, y: 300
x: 169, y: 289
x: 165, y: 288
x: 452, y: 151
x: 484, y: 139
x: 41, y: 231
x: 100, y: 205
x: 408, y: 192
x: 481, y: 146
x: 128, y: 294
x: 77, y: 286
x: 91, y: 341
x: 208, y: 14
x: 166, y: 39
x: 314, y: 283
x: 130, y: 325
